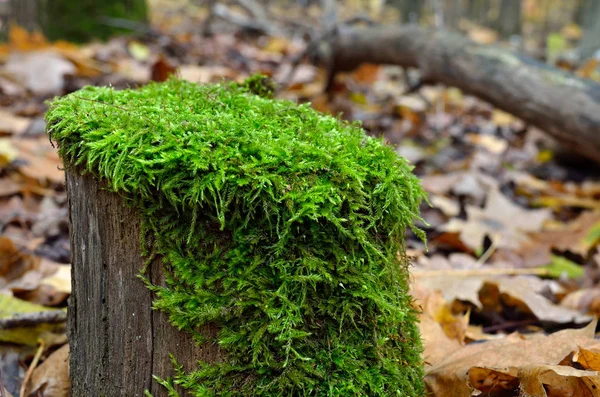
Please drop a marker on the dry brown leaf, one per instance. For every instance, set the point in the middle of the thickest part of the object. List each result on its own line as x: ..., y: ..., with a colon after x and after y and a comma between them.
x: 437, y: 345
x: 367, y: 73
x: 521, y: 292
x: 13, y: 262
x: 437, y: 308
x: 448, y: 206
x: 578, y: 236
x: 557, y: 381
x: 502, y: 221
x: 492, y: 143
x: 51, y: 378
x: 482, y: 35
x: 12, y: 124
x: 531, y: 360
x: 469, y: 183
x: 9, y: 187
x: 42, y: 161
x: 162, y: 69
x: 42, y: 72
x: 205, y: 74
x: 585, y: 300
x: 492, y: 292
x: 437, y: 342
x: 454, y: 288
x: 587, y: 358
x: 21, y: 39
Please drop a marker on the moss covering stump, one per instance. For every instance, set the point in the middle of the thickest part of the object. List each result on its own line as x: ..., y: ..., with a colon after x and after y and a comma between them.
x: 279, y: 227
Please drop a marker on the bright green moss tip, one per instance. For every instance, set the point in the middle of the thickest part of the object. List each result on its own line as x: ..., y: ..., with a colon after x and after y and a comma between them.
x: 277, y: 223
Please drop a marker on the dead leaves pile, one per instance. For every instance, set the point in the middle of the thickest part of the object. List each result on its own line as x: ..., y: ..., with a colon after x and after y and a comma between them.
x: 512, y: 267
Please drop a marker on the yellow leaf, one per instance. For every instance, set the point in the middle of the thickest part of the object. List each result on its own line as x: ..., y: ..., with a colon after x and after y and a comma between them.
x: 7, y: 152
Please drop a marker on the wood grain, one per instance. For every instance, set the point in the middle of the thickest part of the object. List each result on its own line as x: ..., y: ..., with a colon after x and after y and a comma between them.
x: 117, y: 341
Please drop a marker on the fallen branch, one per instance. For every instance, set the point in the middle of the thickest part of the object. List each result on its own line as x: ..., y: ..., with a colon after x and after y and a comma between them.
x: 565, y: 106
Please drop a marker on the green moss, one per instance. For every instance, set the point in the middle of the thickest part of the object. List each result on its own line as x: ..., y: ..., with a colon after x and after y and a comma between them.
x: 277, y: 223
x: 82, y: 20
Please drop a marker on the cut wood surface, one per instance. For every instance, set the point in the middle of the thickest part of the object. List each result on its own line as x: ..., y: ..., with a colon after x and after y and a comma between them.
x: 117, y: 341
x: 560, y: 103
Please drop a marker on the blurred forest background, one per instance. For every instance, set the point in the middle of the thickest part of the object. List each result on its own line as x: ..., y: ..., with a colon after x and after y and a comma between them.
x: 507, y: 146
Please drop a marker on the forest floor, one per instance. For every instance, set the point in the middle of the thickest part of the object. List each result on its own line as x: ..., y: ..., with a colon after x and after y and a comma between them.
x: 513, y: 222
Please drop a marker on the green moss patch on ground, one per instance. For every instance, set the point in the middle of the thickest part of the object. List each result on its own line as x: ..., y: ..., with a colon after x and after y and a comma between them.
x: 279, y: 224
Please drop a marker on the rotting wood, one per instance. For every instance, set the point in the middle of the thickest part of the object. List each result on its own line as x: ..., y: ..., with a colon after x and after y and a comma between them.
x: 112, y: 328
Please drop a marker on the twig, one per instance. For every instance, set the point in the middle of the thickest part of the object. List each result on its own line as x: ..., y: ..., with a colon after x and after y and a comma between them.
x: 509, y: 325
x: 135, y: 26
x: 33, y: 319
x: 540, y: 271
x: 258, y: 27
x: 32, y: 366
x: 2, y: 388
x: 489, y: 252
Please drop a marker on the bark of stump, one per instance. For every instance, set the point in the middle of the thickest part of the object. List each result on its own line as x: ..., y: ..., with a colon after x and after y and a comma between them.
x: 117, y: 341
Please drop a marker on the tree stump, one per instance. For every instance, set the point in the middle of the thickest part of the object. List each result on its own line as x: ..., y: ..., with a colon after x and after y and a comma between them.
x: 279, y: 238
x: 117, y: 341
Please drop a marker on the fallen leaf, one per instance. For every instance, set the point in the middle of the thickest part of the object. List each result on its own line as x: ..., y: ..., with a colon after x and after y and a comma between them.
x: 502, y: 119
x: 437, y: 344
x: 585, y: 300
x: 493, y: 144
x: 503, y: 360
x: 7, y: 152
x: 20, y: 39
x: 11, y: 124
x: 60, y: 280
x: 587, y: 358
x: 470, y: 183
x: 482, y: 35
x: 493, y: 292
x: 51, y: 378
x: 579, y: 236
x: 518, y: 292
x: 448, y: 207
x: 42, y: 161
x: 367, y: 73
x: 500, y: 220
x: 42, y: 72
x: 25, y: 323
x: 140, y: 52
x: 205, y: 74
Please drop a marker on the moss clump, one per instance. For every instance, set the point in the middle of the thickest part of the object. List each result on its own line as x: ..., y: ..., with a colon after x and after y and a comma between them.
x: 277, y: 223
x: 82, y: 20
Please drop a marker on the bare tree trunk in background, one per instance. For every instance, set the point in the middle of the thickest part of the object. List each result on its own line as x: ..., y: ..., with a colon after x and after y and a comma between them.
x: 117, y: 341
x: 509, y: 18
x: 477, y: 11
x: 410, y: 10
x: 453, y: 12
x: 24, y: 13
x: 590, y: 43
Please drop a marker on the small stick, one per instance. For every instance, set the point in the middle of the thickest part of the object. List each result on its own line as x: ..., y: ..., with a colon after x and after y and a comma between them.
x: 29, y: 372
x: 540, y: 271
x: 2, y: 388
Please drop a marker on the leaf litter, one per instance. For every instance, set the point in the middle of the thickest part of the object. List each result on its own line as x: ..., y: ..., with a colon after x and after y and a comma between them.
x: 512, y: 268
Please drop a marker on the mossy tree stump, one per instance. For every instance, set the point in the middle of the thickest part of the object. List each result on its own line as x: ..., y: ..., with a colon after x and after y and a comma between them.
x: 117, y: 341
x: 268, y: 239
